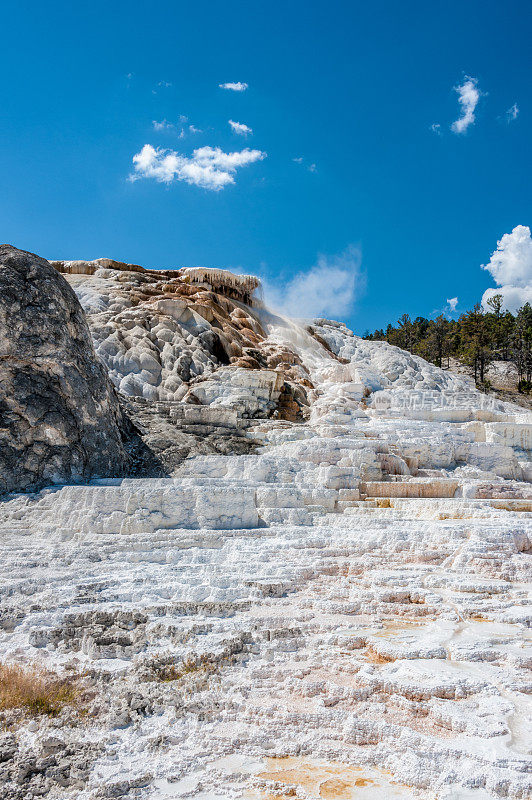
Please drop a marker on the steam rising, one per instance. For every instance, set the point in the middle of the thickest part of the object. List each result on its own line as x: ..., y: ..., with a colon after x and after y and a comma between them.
x: 329, y: 289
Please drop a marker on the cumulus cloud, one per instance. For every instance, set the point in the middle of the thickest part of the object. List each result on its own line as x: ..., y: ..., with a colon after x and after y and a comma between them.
x: 452, y: 303
x: 468, y: 97
x: 512, y: 113
x: 511, y: 268
x: 240, y: 128
x: 513, y: 297
x: 208, y: 167
x: 328, y: 289
x: 511, y: 262
x: 234, y: 87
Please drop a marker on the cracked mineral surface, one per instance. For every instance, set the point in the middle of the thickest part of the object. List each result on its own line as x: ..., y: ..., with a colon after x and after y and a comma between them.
x: 342, y: 611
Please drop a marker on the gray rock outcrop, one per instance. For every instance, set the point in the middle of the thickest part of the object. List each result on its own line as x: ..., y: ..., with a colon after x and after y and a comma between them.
x: 60, y: 420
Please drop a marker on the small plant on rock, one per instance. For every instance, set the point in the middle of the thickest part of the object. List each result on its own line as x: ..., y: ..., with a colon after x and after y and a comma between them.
x: 175, y: 672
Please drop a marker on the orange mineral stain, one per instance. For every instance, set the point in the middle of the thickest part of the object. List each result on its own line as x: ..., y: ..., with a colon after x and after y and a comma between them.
x: 320, y: 780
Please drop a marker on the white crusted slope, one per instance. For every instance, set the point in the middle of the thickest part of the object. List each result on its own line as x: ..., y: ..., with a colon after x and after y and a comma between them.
x: 344, y: 614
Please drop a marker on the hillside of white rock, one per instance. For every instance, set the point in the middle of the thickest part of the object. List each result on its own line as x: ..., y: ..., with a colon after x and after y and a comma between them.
x: 336, y: 604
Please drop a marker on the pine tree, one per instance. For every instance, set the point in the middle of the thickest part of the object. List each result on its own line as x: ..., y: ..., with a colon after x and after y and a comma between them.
x: 475, y: 342
x: 522, y: 350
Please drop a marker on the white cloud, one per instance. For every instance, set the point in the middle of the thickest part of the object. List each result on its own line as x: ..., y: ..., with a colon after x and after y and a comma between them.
x: 452, y: 303
x: 436, y: 128
x: 511, y: 262
x: 513, y: 297
x: 468, y: 97
x: 329, y: 288
x: 161, y: 85
x: 511, y: 268
x: 512, y: 113
x: 234, y: 87
x: 240, y: 128
x: 301, y: 160
x: 208, y: 167
x: 164, y: 125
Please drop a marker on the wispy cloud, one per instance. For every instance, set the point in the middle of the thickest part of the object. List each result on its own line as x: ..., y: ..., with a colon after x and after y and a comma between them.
x: 511, y: 268
x: 163, y: 125
x: 300, y: 160
x: 161, y: 85
x: 436, y: 128
x: 452, y: 303
x: 468, y: 97
x: 208, y: 167
x: 240, y: 128
x: 512, y: 113
x: 329, y: 288
x: 234, y: 87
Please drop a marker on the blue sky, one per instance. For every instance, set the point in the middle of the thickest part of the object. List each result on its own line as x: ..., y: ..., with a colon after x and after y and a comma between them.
x: 350, y: 89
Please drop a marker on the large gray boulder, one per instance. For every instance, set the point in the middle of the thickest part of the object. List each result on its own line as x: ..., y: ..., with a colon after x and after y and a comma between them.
x: 60, y: 420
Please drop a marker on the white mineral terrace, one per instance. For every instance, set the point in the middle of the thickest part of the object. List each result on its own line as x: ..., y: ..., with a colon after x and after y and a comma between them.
x: 221, y: 277
x: 355, y: 597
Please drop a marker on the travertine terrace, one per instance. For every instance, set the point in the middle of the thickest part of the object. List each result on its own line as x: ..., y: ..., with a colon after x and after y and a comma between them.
x: 343, y: 613
x: 163, y: 334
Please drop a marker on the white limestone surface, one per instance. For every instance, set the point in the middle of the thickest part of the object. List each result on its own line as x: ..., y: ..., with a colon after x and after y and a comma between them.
x: 345, y: 614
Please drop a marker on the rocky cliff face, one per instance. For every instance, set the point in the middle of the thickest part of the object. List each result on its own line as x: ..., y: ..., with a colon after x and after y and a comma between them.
x: 59, y: 415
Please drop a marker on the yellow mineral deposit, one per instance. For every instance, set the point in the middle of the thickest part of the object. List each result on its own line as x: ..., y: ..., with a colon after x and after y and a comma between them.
x: 321, y: 780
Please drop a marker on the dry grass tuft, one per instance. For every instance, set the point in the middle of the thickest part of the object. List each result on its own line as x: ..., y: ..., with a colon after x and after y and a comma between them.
x: 175, y: 672
x: 163, y: 670
x: 35, y: 691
